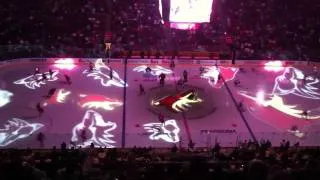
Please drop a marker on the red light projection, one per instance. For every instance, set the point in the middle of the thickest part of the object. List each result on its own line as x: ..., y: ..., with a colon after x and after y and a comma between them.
x: 212, y: 75
x: 98, y: 102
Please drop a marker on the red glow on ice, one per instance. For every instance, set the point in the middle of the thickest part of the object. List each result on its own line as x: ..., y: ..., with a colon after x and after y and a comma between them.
x: 65, y: 63
x: 98, y: 101
x: 275, y: 66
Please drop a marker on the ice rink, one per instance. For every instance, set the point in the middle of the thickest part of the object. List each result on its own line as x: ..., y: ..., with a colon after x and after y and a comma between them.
x: 106, y: 106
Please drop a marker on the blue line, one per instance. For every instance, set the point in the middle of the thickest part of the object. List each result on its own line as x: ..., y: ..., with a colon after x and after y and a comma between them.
x: 123, y: 136
x: 240, y: 112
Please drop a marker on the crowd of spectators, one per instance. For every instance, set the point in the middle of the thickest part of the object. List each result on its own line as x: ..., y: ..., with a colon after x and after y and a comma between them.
x: 287, y: 28
x: 256, y: 29
x: 53, y: 27
x: 249, y: 161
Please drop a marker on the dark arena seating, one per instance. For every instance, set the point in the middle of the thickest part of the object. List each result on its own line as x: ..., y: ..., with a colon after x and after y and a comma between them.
x: 159, y: 90
x: 259, y: 29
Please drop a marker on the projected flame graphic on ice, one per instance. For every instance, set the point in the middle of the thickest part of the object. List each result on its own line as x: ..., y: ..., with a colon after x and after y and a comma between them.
x: 59, y: 96
x: 93, y: 129
x: 179, y: 102
x: 102, y: 73
x: 167, y: 131
x: 17, y: 129
x: 35, y: 81
x: 98, y: 101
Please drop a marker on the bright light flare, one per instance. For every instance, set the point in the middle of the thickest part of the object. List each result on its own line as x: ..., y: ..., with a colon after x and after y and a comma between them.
x: 275, y: 66
x: 65, y: 63
x: 98, y: 102
x: 5, y: 97
x: 62, y: 95
x: 260, y: 97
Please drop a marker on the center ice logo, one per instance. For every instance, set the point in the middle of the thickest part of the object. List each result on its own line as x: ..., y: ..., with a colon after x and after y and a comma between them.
x: 179, y: 102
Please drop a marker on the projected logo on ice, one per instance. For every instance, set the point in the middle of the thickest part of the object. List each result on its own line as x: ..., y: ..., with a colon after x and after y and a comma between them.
x: 93, y: 129
x: 17, y: 129
x: 179, y: 102
x: 294, y: 82
x: 167, y: 131
x: 35, y: 81
x: 105, y: 74
x: 212, y: 75
x: 154, y: 71
x: 5, y: 97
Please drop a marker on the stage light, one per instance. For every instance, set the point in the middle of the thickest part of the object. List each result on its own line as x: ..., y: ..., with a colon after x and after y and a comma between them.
x: 103, y: 73
x: 95, y: 129
x: 5, y: 97
x: 167, y: 131
x: 17, y: 129
x: 275, y: 66
x: 35, y: 81
x: 98, y: 101
x: 65, y: 63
